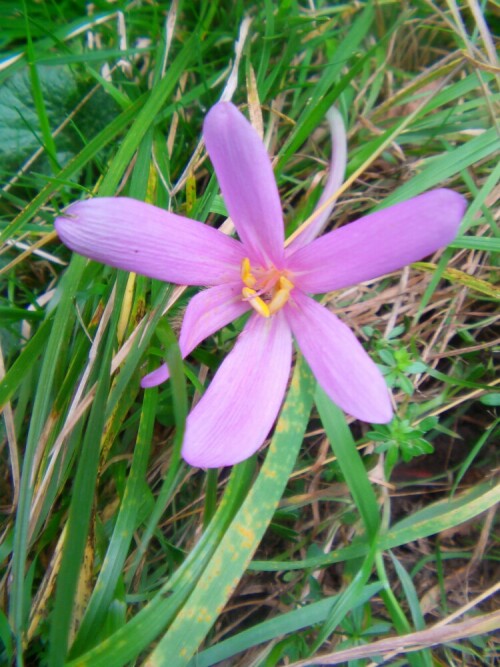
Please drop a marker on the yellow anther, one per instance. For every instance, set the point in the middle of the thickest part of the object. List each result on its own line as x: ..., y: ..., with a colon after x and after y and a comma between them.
x: 272, y: 290
x: 279, y: 300
x: 286, y: 284
x: 245, y: 267
x: 256, y: 302
x: 260, y: 306
x: 248, y: 292
x: 246, y: 273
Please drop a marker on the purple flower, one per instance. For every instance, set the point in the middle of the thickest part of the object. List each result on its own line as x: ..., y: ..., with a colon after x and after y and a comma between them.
x: 257, y: 274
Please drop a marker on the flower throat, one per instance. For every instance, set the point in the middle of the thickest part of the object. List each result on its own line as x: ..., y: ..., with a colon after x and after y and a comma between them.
x: 266, y: 290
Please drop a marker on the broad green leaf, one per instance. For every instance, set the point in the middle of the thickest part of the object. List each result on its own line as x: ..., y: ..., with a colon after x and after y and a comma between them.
x: 89, y: 152
x: 20, y: 124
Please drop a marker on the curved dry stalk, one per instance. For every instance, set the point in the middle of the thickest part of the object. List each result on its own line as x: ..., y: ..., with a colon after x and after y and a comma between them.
x: 415, y: 641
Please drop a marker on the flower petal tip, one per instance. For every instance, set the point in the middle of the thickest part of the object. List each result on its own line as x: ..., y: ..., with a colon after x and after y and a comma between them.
x: 376, y: 408
x: 247, y: 182
x: 156, y: 377
x: 135, y: 236
x: 221, y: 109
x: 65, y: 222
x: 382, y: 415
x: 199, y: 461
x: 450, y: 209
x: 235, y: 415
x: 379, y: 243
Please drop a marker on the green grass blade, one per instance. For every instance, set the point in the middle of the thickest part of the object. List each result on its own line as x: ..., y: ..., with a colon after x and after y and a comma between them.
x: 48, y: 140
x: 429, y: 521
x: 282, y: 624
x: 62, y: 320
x: 176, y: 468
x: 329, y: 87
x: 126, y: 524
x: 96, y: 144
x: 81, y: 505
x: 350, y: 462
x: 128, y: 642
x: 243, y: 535
x: 146, y: 117
x: 445, y: 166
x: 25, y: 361
x: 396, y: 613
x: 347, y: 601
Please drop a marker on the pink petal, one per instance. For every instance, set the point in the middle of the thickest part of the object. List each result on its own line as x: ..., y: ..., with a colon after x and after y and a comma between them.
x: 379, y: 243
x: 135, y: 236
x: 236, y: 413
x: 247, y: 182
x: 335, y: 179
x: 340, y: 364
x: 206, y: 313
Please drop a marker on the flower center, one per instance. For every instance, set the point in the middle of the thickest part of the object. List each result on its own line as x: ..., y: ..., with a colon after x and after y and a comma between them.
x: 266, y: 290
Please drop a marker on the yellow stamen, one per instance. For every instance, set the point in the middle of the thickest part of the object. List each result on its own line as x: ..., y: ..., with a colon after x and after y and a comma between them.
x: 246, y: 273
x: 248, y: 292
x: 279, y: 300
x: 271, y: 292
x: 256, y: 302
x: 286, y: 284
